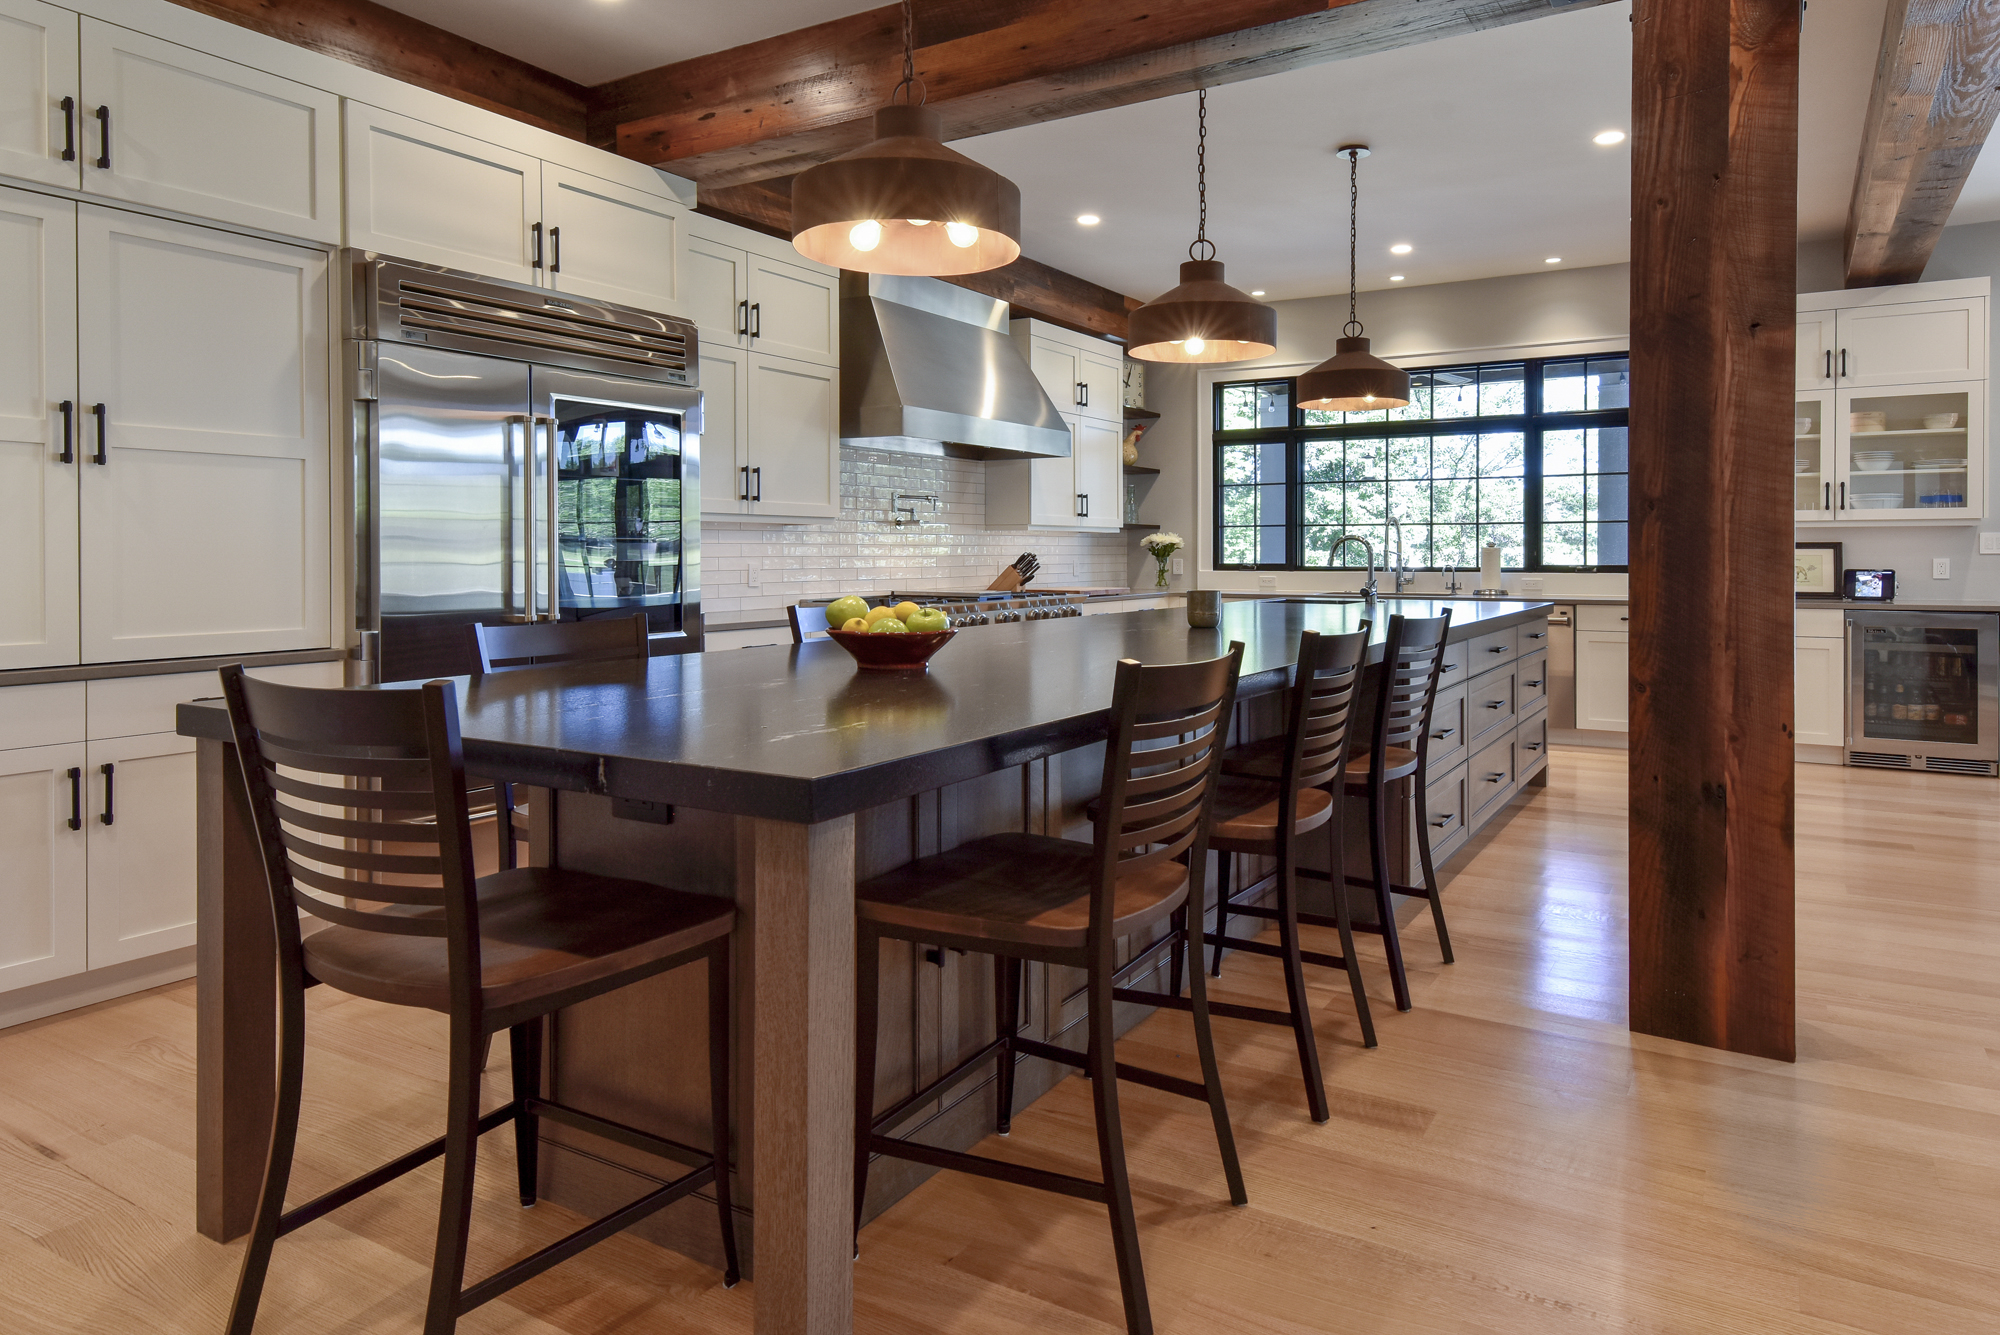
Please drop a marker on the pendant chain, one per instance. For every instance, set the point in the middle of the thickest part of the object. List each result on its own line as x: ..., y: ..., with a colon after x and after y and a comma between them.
x: 910, y: 80
x: 1201, y: 178
x: 1353, y: 328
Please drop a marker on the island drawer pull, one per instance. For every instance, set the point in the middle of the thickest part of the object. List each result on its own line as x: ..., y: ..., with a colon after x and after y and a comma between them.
x: 1497, y: 649
x: 1538, y: 634
x: 1535, y: 683
x: 1443, y: 733
x: 1533, y: 746
x: 1445, y: 819
x: 1496, y: 704
x: 1451, y: 667
x: 1501, y: 777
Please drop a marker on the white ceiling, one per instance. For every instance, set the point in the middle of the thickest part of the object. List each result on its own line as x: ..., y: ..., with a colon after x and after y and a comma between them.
x: 1482, y: 160
x: 596, y: 41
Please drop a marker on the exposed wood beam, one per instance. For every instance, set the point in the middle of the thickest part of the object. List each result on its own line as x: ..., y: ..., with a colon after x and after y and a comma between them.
x: 1932, y: 107
x: 1714, y: 256
x: 775, y: 107
x: 380, y: 39
x: 1031, y: 288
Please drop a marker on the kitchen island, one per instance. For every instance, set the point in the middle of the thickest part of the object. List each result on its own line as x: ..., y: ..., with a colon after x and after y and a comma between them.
x: 776, y: 776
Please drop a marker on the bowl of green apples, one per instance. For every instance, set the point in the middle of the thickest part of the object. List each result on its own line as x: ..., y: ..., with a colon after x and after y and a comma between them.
x: 886, y: 638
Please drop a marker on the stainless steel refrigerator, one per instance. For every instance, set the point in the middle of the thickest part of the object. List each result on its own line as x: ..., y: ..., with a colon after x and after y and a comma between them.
x: 519, y: 455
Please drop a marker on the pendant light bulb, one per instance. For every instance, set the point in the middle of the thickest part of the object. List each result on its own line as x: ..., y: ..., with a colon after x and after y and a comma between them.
x: 1203, y: 319
x: 872, y: 209
x: 1353, y: 379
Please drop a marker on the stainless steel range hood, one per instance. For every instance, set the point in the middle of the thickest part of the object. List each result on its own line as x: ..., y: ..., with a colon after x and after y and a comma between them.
x: 927, y: 368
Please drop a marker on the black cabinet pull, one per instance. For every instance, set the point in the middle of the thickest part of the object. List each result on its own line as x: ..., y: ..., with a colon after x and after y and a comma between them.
x: 1086, y: 505
x: 1495, y: 704
x: 1538, y: 634
x: 1534, y: 746
x: 1843, y: 363
x: 106, y: 770
x: 69, y: 129
x: 1497, y: 778
x: 1082, y: 394
x: 1443, y: 733
x: 1451, y: 667
x: 535, y: 231
x: 744, y: 494
x: 1531, y: 683
x: 68, y: 409
x: 1826, y: 501
x: 103, y: 456
x: 1843, y: 495
x: 757, y: 476
x: 1445, y: 819
x: 756, y: 319
x: 555, y: 250
x: 1829, y: 363
x: 104, y: 133
x: 75, y: 797
x: 743, y: 317
x: 1497, y: 649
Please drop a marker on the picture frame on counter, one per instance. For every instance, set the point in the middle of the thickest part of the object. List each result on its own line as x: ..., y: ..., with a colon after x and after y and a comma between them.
x: 1816, y: 571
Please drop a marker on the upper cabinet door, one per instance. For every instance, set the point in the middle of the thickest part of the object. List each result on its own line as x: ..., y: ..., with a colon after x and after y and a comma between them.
x: 1818, y: 352
x: 794, y: 439
x: 610, y: 242
x: 37, y: 71
x: 794, y: 311
x: 1100, y: 476
x: 725, y: 386
x: 715, y: 287
x: 1060, y: 371
x: 205, y: 529
x: 38, y: 626
x: 178, y: 129
x: 1102, y: 374
x: 1912, y: 342
x: 419, y: 192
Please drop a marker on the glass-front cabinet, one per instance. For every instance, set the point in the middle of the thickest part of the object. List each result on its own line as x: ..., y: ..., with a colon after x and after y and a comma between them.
x: 1876, y: 455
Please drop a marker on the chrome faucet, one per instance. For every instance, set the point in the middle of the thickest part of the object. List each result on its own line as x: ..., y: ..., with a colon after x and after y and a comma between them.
x: 1368, y: 589
x: 1404, y: 575
x: 1451, y: 584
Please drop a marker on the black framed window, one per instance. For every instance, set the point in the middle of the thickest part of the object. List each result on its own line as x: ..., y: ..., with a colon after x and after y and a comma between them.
x: 1529, y: 454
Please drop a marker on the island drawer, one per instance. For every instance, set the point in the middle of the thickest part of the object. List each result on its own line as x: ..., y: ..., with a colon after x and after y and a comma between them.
x: 1447, y: 744
x: 1490, y: 650
x: 1444, y: 809
x: 1531, y: 743
x: 1489, y: 705
x: 1489, y: 779
x: 1531, y: 678
x: 1598, y: 616
x: 1451, y: 672
x: 1531, y: 636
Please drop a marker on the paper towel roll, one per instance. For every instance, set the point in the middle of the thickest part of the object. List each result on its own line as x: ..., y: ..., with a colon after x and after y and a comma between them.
x: 1489, y: 567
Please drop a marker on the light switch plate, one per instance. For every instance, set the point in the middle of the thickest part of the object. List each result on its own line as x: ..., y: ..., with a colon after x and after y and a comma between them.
x: 1940, y: 567
x: 1530, y: 584
x: 1989, y: 544
x: 1180, y: 566
x: 1267, y: 583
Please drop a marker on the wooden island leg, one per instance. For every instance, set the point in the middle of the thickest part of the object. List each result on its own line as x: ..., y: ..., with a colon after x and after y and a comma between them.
x: 799, y: 896
x: 236, y: 999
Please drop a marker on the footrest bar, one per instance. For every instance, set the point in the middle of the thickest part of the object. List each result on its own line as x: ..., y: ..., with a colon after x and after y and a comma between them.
x: 1019, y: 1174
x: 1171, y: 1084
x: 629, y: 1136
x: 1050, y: 1052
x: 1256, y: 947
x: 1367, y: 883
x: 328, y: 1202
x: 894, y: 1113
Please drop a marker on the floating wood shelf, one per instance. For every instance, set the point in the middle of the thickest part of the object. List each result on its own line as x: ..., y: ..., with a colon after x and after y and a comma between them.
x: 1140, y: 470
x: 1141, y: 415
x: 1140, y: 528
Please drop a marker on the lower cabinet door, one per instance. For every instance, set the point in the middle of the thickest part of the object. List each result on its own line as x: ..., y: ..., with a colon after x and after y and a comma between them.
x: 139, y: 814
x: 42, y: 874
x: 1603, y: 680
x: 794, y: 439
x: 1445, y: 807
x: 1819, y: 677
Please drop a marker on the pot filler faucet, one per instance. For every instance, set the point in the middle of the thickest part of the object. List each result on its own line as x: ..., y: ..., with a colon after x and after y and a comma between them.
x: 1368, y: 589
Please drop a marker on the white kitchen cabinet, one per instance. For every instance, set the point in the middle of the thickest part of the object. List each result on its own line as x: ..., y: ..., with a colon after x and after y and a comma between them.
x: 204, y: 516
x: 42, y: 895
x: 1815, y: 458
x: 1603, y: 680
x: 180, y: 129
x: 1100, y: 476
x: 725, y: 381
x: 38, y: 420
x: 1083, y: 492
x: 1058, y: 367
x: 1817, y: 349
x: 747, y: 290
x: 610, y: 242
x: 1903, y: 342
x: 1819, y: 691
x: 1918, y: 468
x: 421, y: 192
x: 139, y: 814
x: 1102, y: 373
x: 770, y: 443
x: 715, y: 287
x: 38, y: 73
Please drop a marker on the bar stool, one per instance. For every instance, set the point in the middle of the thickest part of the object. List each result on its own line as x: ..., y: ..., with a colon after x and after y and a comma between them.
x: 510, y: 647
x: 1023, y: 897
x: 1268, y: 819
x: 496, y: 953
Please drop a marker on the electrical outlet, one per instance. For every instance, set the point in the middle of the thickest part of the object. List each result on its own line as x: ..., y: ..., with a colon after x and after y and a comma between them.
x: 1530, y: 584
x: 1941, y: 567
x: 1179, y: 566
x: 754, y: 578
x: 1267, y: 583
x: 1989, y: 544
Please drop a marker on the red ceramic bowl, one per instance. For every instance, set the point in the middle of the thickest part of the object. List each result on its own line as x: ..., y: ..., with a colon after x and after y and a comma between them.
x: 891, y: 653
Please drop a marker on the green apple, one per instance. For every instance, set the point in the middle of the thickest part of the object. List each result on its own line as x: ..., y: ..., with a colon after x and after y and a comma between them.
x: 888, y: 626
x: 843, y: 610
x: 926, y: 621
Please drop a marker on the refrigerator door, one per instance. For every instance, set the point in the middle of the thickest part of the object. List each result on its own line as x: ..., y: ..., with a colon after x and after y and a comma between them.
x: 625, y: 498
x: 1924, y: 689
x: 449, y: 506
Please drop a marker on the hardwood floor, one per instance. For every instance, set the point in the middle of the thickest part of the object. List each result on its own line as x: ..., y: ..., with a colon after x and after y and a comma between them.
x: 1510, y: 1158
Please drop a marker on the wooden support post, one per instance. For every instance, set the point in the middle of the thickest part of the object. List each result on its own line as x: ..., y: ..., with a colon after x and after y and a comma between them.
x: 1714, y: 236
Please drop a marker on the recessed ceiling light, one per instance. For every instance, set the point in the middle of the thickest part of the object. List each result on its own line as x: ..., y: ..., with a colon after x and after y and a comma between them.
x: 1609, y: 137
x: 1395, y: 278
x: 1088, y: 219
x: 1401, y: 248
x: 1256, y: 291
x: 1553, y: 259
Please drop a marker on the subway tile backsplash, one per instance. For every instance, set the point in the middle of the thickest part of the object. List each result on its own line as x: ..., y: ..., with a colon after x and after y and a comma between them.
x: 752, y: 571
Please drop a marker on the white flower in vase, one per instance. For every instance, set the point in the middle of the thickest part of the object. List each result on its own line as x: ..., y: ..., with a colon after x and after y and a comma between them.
x: 1162, y: 545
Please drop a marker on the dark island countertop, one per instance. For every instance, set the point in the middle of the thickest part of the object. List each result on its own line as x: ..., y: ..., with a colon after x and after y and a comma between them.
x: 799, y: 733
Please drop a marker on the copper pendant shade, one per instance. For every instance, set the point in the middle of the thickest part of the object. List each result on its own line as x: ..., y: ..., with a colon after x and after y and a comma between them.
x: 1353, y: 380
x: 905, y: 203
x: 1203, y: 320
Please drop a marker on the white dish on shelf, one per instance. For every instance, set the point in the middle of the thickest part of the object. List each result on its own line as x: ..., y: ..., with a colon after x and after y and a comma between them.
x: 1867, y: 422
x: 1873, y: 465
x: 1940, y: 465
x: 1940, y: 421
x: 1892, y: 500
x: 1802, y: 426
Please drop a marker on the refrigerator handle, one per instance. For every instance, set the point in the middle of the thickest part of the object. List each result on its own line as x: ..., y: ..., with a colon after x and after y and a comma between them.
x: 524, y: 560
x: 553, y: 607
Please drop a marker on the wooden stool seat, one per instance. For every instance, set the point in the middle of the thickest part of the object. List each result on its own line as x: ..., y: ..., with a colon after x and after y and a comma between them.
x: 542, y: 932
x: 1399, y: 762
x: 1247, y: 814
x: 1023, y: 889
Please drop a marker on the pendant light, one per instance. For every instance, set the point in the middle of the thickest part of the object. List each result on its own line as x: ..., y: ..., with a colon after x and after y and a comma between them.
x: 1353, y: 380
x: 1204, y: 319
x: 905, y: 203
